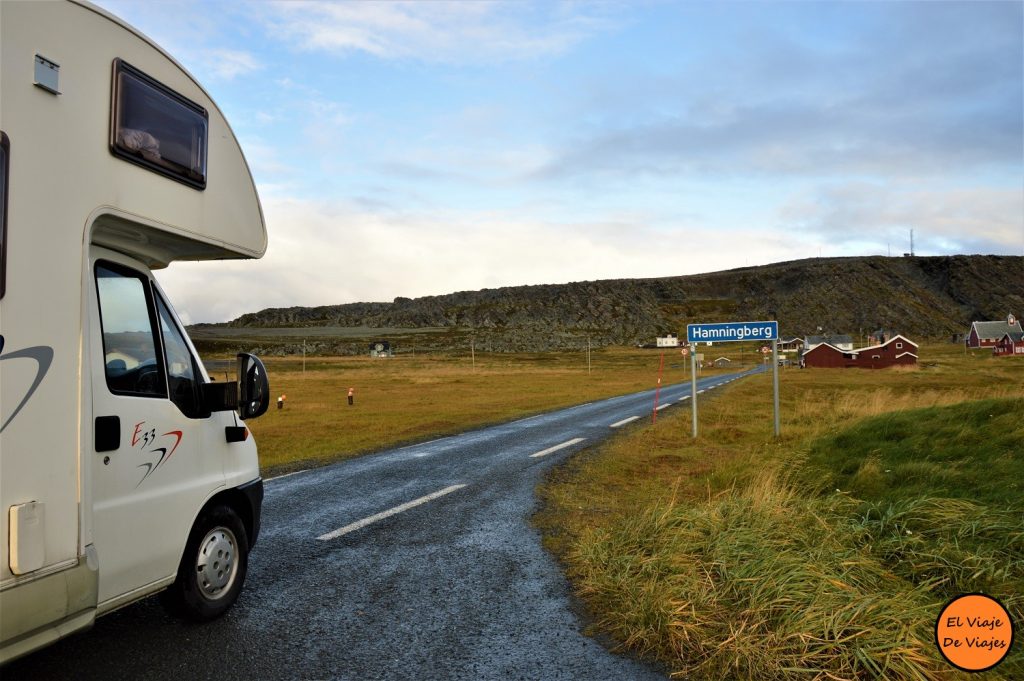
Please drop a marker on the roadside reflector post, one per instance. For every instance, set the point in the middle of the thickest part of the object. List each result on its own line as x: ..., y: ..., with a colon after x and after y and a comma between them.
x: 657, y: 390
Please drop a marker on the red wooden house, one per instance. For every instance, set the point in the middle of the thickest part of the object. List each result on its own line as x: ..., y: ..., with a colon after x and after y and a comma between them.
x: 895, y: 351
x: 990, y: 334
x: 1012, y: 343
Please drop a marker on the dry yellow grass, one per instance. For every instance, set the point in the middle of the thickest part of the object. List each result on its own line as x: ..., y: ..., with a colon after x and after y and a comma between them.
x: 701, y: 554
x: 415, y: 398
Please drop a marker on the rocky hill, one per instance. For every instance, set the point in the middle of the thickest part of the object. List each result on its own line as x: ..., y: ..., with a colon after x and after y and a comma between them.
x: 923, y: 297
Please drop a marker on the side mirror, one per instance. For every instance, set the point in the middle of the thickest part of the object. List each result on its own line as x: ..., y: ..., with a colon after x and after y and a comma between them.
x: 220, y: 396
x: 253, y: 386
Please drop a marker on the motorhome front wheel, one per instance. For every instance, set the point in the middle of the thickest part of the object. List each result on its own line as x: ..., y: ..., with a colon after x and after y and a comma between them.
x: 217, y: 563
x: 213, y: 567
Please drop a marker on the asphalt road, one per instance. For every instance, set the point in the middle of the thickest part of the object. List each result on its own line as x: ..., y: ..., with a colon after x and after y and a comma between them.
x: 417, y: 562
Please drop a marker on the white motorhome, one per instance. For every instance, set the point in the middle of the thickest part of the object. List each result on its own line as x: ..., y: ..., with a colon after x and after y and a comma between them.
x: 124, y: 470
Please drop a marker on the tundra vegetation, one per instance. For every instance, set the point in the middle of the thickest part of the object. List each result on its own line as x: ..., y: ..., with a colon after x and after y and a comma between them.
x: 932, y: 297
x: 826, y: 554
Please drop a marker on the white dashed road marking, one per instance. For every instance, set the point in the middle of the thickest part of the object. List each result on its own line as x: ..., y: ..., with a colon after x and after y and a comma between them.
x: 359, y: 524
x: 551, y: 450
x: 624, y: 422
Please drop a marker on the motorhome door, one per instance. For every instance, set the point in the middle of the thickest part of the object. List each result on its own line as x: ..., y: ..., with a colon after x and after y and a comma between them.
x: 148, y: 470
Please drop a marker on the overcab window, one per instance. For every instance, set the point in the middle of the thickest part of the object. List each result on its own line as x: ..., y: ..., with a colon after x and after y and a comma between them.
x: 155, y: 127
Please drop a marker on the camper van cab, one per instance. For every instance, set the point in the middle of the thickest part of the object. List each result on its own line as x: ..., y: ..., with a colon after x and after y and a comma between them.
x: 124, y: 469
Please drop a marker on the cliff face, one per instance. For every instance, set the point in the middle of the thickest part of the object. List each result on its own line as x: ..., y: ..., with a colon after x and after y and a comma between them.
x: 919, y: 297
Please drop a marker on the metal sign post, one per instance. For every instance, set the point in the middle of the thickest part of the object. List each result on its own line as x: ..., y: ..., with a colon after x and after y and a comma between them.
x: 736, y: 332
x: 775, y: 383
x: 693, y: 389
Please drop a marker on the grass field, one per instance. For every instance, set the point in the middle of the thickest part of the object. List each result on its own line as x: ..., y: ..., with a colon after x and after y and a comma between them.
x: 826, y: 554
x: 414, y: 398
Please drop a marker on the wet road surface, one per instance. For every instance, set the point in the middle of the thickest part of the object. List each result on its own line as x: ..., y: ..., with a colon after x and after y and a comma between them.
x: 418, y: 562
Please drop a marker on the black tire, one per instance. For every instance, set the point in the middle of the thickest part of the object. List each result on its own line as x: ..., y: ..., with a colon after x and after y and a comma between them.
x: 212, y: 569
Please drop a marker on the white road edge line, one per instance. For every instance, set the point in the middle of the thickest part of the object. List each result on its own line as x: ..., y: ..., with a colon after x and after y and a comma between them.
x: 422, y: 444
x: 660, y: 407
x: 359, y: 524
x: 285, y: 475
x: 552, y: 450
x: 624, y: 422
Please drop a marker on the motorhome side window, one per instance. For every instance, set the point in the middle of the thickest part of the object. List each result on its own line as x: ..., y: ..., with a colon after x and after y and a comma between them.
x: 181, y: 372
x: 155, y: 127
x: 129, y: 338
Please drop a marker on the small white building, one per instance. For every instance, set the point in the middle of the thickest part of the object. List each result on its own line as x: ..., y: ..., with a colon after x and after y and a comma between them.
x: 668, y: 341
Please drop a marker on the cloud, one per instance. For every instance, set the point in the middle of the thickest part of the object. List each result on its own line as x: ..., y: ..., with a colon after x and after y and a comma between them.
x: 329, y: 252
x: 882, y: 96
x: 799, y: 138
x: 446, y: 32
x: 956, y: 220
x: 225, y: 64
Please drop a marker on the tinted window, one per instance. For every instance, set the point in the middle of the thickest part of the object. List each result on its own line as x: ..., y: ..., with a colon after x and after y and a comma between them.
x: 181, y: 374
x: 156, y: 127
x: 129, y: 342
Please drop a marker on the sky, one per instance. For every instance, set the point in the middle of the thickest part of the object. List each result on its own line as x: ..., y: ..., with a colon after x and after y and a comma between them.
x: 422, y: 148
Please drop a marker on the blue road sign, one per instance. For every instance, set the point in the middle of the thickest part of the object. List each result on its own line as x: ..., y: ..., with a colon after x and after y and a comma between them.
x: 732, y: 331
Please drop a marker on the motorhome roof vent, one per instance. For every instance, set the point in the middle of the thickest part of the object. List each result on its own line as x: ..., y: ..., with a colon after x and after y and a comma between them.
x: 47, y: 74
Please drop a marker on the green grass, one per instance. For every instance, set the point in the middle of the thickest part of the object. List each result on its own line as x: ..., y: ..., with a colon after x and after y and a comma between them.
x: 941, y: 495
x: 967, y: 451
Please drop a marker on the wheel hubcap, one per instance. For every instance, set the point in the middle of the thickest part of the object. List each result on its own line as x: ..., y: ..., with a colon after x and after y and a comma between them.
x: 217, y: 564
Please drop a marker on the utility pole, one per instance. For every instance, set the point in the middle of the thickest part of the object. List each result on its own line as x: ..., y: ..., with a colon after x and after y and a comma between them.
x: 472, y: 351
x: 775, y: 384
x: 303, y: 357
x: 588, y: 354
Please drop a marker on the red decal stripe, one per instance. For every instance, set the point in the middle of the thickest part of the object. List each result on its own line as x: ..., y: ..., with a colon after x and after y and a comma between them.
x: 177, y: 434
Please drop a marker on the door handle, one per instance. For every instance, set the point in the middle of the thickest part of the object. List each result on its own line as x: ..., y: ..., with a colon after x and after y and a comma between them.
x: 107, y: 433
